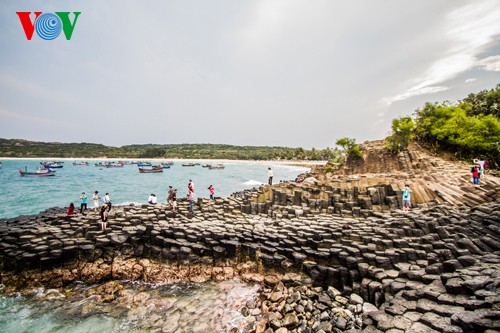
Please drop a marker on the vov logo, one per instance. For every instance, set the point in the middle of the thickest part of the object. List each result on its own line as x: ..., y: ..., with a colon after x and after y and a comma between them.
x: 48, y: 26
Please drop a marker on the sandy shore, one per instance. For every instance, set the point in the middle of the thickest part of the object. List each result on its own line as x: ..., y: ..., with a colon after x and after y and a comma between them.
x: 204, y: 161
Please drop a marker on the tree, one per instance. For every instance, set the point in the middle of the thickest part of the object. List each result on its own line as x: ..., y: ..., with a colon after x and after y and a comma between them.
x: 350, y: 147
x: 402, y: 134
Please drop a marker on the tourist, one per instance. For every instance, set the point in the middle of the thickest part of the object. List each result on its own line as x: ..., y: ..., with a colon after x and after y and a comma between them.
x: 104, y: 216
x: 191, y: 186
x: 406, y: 199
x: 170, y: 193
x: 298, y: 180
x: 190, y: 197
x: 152, y: 199
x: 174, y: 200
x: 107, y: 201
x: 211, y: 190
x: 475, y: 175
x: 71, y: 209
x: 270, y: 176
x: 83, y: 202
x: 95, y: 198
x: 482, y: 165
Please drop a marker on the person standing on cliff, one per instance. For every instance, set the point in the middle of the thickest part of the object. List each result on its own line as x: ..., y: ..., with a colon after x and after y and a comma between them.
x: 95, y: 198
x: 406, y: 199
x: 482, y: 164
x: 270, y: 176
x: 170, y: 193
x: 107, y: 201
x: 174, y: 199
x: 83, y: 202
x: 190, y: 198
x: 191, y: 186
x: 104, y: 216
x: 475, y: 175
x: 211, y: 190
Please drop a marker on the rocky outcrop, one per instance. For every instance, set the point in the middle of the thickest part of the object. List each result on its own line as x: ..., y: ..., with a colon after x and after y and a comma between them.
x: 435, y: 269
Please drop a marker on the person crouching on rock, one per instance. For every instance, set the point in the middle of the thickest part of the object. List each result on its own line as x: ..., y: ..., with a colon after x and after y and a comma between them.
x: 71, y: 209
x: 104, y: 216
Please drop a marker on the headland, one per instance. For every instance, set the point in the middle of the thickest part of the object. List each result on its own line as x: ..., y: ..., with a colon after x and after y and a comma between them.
x: 332, y: 253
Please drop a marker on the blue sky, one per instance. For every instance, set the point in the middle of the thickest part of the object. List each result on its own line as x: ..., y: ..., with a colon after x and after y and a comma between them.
x: 269, y: 72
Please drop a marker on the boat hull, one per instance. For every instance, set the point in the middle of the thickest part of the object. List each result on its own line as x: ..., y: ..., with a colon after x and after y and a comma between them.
x: 156, y: 170
x: 36, y: 174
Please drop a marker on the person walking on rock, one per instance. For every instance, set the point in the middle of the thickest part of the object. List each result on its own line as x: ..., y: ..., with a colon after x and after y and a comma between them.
x: 83, y: 202
x: 406, y: 199
x: 95, y: 198
x: 270, y: 176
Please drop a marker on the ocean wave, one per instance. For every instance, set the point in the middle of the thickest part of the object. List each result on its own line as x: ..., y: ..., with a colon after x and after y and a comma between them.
x: 127, y: 203
x: 252, y: 182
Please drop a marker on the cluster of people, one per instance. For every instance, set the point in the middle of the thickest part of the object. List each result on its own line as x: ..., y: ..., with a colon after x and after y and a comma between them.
x: 477, y: 170
x: 153, y: 200
x: 103, y: 211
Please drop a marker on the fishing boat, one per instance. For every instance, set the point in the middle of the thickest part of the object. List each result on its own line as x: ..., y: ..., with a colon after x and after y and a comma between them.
x: 167, y: 163
x: 206, y: 165
x: 38, y: 173
x: 81, y: 163
x: 216, y: 167
x: 165, y: 166
x: 153, y: 169
x: 144, y: 164
x: 188, y: 164
x: 109, y: 165
x: 52, y: 165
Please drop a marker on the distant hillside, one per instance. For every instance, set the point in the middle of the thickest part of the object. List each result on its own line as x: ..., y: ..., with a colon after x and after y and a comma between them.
x: 23, y: 148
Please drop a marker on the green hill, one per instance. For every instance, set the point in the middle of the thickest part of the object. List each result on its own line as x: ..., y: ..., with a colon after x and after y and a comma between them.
x: 23, y: 148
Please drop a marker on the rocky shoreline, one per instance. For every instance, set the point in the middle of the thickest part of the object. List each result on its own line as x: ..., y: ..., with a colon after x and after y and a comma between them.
x: 436, y: 269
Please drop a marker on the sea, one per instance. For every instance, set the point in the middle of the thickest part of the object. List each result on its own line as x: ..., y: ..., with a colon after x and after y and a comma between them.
x: 30, y: 195
x: 164, y: 308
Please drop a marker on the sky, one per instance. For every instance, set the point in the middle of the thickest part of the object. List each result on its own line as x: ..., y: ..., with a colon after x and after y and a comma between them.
x: 296, y: 73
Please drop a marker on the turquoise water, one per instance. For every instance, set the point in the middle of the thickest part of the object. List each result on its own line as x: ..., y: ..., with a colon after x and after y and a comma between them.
x: 30, y: 195
x: 138, y: 307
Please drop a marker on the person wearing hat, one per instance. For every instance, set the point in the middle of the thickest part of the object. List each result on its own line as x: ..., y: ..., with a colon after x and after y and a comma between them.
x: 270, y: 176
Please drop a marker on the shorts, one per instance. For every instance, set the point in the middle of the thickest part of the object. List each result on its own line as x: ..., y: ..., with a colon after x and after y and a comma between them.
x: 407, y: 203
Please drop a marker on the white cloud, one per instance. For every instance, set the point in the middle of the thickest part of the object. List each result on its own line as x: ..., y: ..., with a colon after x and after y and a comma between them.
x: 470, y: 80
x: 490, y: 63
x: 416, y: 91
x: 469, y: 29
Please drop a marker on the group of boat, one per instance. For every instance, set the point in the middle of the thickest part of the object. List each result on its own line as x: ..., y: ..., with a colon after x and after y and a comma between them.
x: 208, y: 166
x: 46, y: 169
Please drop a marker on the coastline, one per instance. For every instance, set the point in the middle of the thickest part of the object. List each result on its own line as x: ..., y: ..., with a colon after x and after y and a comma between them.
x: 72, y: 159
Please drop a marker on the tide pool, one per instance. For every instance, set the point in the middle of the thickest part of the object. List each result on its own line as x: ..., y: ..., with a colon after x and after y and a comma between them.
x: 30, y: 195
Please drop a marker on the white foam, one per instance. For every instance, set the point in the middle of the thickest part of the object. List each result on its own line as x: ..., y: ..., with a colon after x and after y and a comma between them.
x: 252, y: 182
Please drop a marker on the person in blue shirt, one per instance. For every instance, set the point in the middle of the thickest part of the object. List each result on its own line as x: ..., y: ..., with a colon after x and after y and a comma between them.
x: 406, y: 199
x: 83, y: 200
